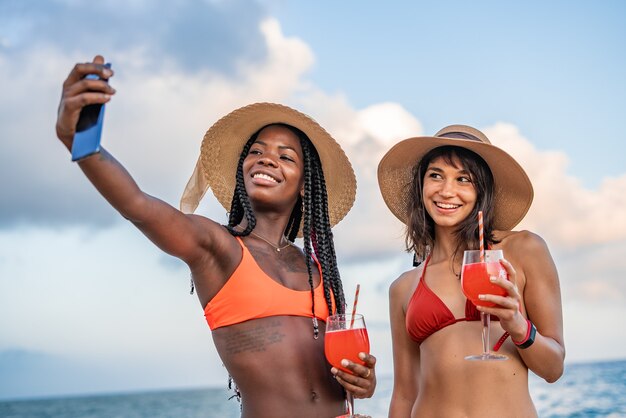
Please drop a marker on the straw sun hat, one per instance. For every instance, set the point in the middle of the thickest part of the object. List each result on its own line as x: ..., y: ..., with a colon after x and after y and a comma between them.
x: 223, y: 142
x: 513, y: 190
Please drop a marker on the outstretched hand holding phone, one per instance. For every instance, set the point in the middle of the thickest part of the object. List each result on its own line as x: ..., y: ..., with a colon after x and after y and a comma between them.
x: 79, y: 121
x: 89, y: 127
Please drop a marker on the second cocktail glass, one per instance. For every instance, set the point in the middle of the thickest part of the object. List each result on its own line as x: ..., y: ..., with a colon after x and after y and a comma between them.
x: 346, y: 337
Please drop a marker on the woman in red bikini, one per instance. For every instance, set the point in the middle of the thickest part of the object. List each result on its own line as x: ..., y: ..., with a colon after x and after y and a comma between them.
x: 264, y: 298
x: 436, y: 186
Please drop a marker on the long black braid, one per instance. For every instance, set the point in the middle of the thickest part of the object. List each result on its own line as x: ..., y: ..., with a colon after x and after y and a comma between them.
x: 312, y: 208
x: 240, y: 205
x: 317, y: 233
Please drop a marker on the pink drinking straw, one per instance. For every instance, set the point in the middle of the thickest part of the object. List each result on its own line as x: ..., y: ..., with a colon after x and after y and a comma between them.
x: 356, y: 299
x: 481, y: 236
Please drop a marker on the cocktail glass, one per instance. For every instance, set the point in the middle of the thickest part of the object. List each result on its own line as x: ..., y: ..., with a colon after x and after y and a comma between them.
x: 475, y: 275
x: 346, y: 337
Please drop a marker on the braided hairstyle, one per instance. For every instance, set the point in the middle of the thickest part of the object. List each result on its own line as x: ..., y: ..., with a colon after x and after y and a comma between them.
x: 310, y: 211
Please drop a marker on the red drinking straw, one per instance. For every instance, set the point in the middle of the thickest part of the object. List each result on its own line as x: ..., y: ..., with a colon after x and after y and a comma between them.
x: 481, y: 236
x: 356, y: 299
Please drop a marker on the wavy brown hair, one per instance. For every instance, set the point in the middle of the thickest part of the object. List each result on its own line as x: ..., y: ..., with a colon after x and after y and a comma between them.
x: 420, y: 231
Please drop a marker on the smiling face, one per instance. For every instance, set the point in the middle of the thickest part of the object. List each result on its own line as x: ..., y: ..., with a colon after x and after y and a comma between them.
x: 273, y: 168
x: 450, y: 185
x: 449, y: 194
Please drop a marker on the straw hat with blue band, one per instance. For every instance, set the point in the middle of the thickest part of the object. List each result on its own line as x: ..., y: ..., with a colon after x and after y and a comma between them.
x: 513, y: 190
x: 223, y: 142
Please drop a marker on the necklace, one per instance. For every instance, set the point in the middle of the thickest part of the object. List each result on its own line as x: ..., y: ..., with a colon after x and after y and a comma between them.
x: 275, y: 247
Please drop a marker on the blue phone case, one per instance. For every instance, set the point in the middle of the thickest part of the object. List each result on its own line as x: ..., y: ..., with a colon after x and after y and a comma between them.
x: 88, y: 129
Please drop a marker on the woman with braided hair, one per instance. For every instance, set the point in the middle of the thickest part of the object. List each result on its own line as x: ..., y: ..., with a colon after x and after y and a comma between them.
x: 281, y: 176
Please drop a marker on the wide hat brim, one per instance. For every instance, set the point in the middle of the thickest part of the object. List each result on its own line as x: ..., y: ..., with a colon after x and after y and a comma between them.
x: 224, y: 141
x: 513, y: 189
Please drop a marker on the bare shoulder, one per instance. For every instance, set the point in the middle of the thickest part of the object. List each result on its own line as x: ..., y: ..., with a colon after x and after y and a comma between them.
x: 205, y: 224
x: 526, y: 242
x: 529, y: 254
x: 405, y: 283
x: 215, y: 239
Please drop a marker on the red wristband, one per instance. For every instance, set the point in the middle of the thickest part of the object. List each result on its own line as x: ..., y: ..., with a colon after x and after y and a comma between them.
x: 529, y: 339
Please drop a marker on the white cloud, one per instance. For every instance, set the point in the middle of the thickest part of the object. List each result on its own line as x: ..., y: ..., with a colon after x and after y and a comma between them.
x: 567, y: 213
x: 281, y: 74
x: 154, y: 126
x: 389, y: 123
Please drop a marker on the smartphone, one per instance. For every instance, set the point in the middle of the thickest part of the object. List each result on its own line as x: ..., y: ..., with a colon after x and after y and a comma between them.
x: 89, y: 128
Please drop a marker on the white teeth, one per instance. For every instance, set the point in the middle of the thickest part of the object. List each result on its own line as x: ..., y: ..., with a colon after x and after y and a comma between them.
x: 447, y: 205
x: 264, y: 177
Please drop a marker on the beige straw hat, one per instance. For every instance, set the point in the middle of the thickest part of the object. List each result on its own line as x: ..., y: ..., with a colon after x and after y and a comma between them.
x: 513, y: 190
x: 223, y: 142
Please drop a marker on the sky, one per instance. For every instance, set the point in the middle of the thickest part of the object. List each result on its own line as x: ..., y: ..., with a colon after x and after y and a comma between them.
x: 88, y: 304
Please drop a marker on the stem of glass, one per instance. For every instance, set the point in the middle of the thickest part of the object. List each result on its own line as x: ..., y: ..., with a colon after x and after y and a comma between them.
x: 350, y: 402
x: 486, y: 320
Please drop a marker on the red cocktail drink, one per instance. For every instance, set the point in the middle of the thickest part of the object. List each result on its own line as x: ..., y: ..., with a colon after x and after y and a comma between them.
x: 476, y: 281
x: 346, y: 344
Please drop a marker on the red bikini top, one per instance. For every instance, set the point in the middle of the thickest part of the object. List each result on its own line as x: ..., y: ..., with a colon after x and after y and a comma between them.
x: 426, y: 313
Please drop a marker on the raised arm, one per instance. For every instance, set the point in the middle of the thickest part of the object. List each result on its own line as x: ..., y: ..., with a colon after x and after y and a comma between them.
x: 406, y: 356
x: 184, y: 236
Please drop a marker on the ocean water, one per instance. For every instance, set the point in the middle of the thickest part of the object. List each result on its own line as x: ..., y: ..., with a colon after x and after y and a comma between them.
x: 585, y: 390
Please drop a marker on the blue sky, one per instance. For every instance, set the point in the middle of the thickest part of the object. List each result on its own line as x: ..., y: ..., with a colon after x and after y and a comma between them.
x: 87, y: 304
x: 554, y: 68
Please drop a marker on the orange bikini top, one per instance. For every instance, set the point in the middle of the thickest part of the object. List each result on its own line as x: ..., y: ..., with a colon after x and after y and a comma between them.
x: 249, y: 293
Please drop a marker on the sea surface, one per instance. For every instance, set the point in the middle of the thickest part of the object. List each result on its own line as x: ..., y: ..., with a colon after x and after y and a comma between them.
x: 585, y: 390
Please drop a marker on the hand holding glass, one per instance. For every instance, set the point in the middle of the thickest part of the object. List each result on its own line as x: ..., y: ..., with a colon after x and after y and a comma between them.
x: 346, y: 337
x: 475, y: 281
